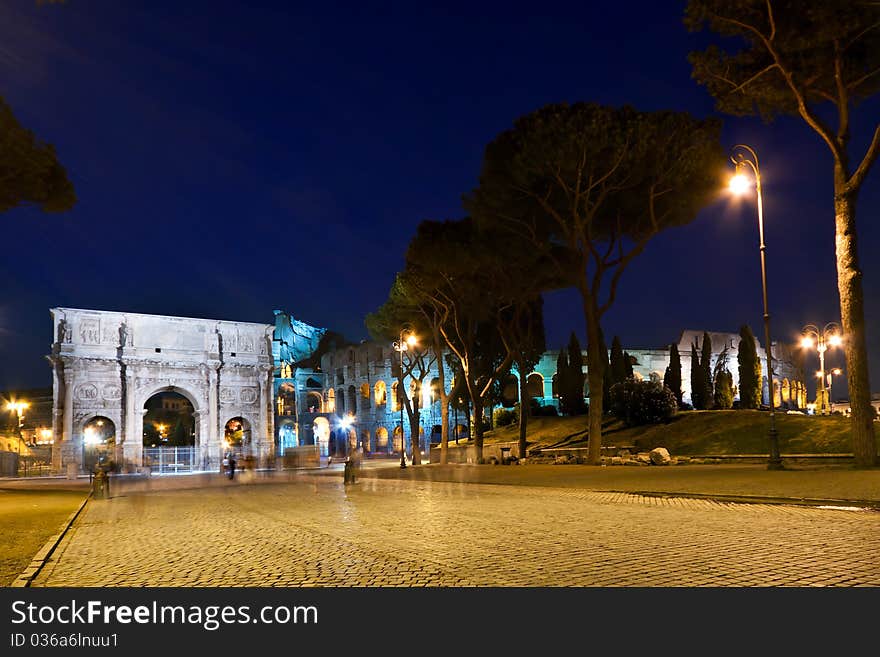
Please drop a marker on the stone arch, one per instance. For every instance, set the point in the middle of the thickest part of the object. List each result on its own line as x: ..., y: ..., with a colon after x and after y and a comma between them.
x: 314, y: 402
x: 554, y: 386
x: 397, y: 438
x: 351, y: 403
x: 395, y: 396
x: 786, y: 390
x: 286, y: 435
x: 460, y: 432
x: 365, y: 440
x: 98, y: 440
x: 509, y: 390
x: 340, y: 402
x: 380, y: 393
x: 535, y: 385
x: 232, y: 441
x: 381, y: 439
x: 331, y: 401
x: 196, y: 400
x: 321, y: 433
x: 434, y: 390
x: 285, y: 399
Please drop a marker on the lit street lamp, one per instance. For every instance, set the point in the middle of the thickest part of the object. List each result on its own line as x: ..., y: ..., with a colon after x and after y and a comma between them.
x: 835, y: 372
x: 402, y: 345
x: 18, y: 408
x: 830, y: 335
x: 744, y: 157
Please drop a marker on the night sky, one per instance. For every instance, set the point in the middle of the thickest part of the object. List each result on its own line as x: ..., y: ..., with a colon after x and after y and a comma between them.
x: 233, y: 158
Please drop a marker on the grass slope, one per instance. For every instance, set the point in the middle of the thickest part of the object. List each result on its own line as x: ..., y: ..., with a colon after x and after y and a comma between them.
x: 697, y: 432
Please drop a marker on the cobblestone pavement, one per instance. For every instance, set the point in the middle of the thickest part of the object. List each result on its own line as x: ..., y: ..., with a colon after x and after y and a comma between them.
x: 317, y: 532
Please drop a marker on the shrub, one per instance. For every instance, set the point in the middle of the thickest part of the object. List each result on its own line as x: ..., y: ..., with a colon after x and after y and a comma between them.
x: 505, y: 417
x: 543, y: 411
x: 642, y: 402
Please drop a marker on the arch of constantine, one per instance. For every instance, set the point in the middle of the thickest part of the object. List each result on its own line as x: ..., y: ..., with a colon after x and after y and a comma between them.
x: 107, y: 366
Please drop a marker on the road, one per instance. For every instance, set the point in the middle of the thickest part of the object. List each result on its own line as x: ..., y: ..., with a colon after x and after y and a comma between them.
x: 314, y: 531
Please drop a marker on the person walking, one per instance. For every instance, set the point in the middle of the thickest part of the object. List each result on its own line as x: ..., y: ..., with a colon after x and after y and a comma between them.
x: 229, y: 460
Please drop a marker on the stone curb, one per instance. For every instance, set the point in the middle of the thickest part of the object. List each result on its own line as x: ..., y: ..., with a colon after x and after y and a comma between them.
x: 42, y: 556
x: 759, y: 499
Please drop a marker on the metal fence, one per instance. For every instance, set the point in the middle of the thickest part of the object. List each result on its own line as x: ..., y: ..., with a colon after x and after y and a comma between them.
x: 171, y: 460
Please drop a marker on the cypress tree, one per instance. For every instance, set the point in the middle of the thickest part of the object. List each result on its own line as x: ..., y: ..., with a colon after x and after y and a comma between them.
x: 618, y: 364
x: 706, y: 366
x: 749, y: 370
x: 672, y: 377
x: 723, y: 380
x: 628, y: 365
x: 575, y: 381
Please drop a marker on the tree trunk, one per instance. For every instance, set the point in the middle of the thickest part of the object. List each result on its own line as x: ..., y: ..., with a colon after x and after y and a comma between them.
x: 525, y: 410
x: 595, y: 374
x: 414, y: 425
x: 852, y: 317
x: 477, y: 401
x: 444, y: 398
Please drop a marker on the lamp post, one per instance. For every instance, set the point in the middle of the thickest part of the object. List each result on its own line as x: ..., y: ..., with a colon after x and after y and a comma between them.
x: 402, y: 345
x: 821, y: 339
x: 745, y: 157
x: 836, y: 371
x: 18, y: 408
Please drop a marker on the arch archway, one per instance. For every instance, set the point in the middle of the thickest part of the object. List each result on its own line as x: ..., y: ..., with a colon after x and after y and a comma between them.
x: 331, y: 401
x: 351, y: 403
x: 321, y: 433
x: 380, y: 393
x: 170, y: 433
x: 99, y: 443
x: 535, y: 383
x: 315, y: 402
x: 237, y: 436
x: 340, y: 402
x: 169, y: 419
x: 510, y: 391
x: 286, y: 436
x: 382, y: 439
x: 395, y: 397
x: 286, y: 399
x: 365, y: 440
x: 397, y: 438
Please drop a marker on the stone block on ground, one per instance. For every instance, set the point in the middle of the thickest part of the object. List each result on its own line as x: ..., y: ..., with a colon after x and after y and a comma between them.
x: 660, y: 456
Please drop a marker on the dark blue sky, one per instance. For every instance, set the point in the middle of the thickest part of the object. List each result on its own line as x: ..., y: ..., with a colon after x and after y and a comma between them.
x: 231, y: 158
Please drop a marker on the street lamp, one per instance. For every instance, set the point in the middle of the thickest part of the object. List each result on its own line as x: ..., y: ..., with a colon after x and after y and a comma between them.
x: 18, y: 408
x: 744, y: 157
x: 403, y: 344
x: 835, y: 372
x: 830, y: 335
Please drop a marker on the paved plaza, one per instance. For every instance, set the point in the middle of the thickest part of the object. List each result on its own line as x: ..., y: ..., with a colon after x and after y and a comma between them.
x: 315, y: 531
